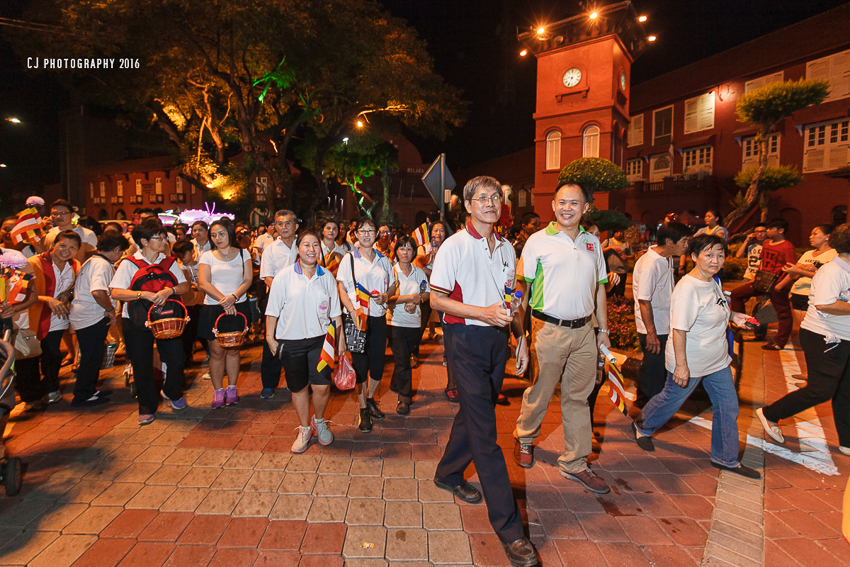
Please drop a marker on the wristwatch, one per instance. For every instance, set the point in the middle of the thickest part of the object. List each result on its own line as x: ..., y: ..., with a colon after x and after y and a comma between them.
x: 604, y: 331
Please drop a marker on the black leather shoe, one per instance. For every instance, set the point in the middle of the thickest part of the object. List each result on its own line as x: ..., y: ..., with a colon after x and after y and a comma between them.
x: 521, y: 553
x: 402, y: 408
x: 365, y: 421
x: 374, y: 409
x: 740, y: 469
x: 465, y: 491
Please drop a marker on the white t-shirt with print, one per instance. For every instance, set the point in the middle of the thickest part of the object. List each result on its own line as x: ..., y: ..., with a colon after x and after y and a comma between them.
x: 397, y: 315
x: 372, y: 276
x: 226, y: 277
x: 804, y: 283
x: 829, y: 283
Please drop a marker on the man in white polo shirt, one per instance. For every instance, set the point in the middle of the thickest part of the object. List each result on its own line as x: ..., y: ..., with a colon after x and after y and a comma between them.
x: 565, y: 270
x: 472, y: 270
x: 62, y: 215
x: 276, y: 256
x: 652, y: 286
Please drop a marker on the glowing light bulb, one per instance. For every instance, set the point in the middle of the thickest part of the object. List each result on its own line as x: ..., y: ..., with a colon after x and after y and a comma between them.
x: 594, y: 15
x: 652, y: 38
x: 523, y: 53
x: 642, y: 19
x: 359, y: 123
x: 14, y: 120
x: 541, y: 30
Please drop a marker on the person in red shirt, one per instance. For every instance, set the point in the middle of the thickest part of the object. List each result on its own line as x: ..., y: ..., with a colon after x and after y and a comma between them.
x: 776, y: 252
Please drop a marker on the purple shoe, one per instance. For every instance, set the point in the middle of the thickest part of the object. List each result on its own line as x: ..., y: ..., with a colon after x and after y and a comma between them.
x: 179, y: 404
x: 232, y: 396
x: 218, y: 399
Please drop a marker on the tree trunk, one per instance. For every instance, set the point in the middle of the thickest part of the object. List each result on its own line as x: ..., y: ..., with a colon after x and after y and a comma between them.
x: 386, y: 215
x: 754, y: 193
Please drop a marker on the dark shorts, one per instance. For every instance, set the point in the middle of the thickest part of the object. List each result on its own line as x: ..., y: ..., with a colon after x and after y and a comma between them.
x: 300, y: 359
x: 227, y: 324
x: 799, y: 302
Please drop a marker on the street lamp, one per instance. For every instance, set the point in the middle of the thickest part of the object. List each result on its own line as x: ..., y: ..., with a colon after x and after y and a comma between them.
x: 642, y: 19
x: 594, y: 15
x: 14, y: 120
x: 2, y: 165
x: 652, y: 38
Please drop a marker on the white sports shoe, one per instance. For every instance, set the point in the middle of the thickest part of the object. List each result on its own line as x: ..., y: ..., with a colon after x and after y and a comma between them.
x: 844, y: 450
x: 54, y: 397
x: 323, y: 432
x: 302, y: 440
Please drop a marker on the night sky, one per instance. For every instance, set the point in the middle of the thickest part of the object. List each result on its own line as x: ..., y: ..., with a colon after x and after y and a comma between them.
x: 474, y: 47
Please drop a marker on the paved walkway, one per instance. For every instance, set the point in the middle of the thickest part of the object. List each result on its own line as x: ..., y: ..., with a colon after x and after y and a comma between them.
x: 220, y: 487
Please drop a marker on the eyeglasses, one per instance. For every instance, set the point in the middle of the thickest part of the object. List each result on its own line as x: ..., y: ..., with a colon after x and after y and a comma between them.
x: 483, y: 199
x: 384, y: 233
x: 158, y: 238
x: 366, y: 231
x: 60, y: 213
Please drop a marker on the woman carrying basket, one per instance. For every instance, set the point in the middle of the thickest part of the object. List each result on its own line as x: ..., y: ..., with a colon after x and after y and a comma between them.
x: 153, y: 240
x: 225, y: 274
x: 303, y: 301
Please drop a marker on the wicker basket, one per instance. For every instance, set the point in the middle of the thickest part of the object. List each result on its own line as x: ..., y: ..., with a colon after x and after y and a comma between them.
x: 230, y: 340
x: 168, y: 327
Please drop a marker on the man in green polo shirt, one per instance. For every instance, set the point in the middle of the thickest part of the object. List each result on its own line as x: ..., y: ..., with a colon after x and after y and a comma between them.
x: 565, y: 270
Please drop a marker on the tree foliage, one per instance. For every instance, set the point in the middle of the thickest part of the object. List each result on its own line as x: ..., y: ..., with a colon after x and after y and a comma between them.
x: 224, y: 76
x: 774, y: 177
x: 596, y: 174
x: 607, y: 219
x: 765, y: 108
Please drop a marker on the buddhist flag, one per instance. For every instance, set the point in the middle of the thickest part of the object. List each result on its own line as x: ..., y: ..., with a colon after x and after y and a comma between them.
x: 18, y: 284
x: 29, y: 228
x: 332, y: 263
x: 362, y: 305
x: 420, y: 235
x: 618, y: 393
x: 327, y: 360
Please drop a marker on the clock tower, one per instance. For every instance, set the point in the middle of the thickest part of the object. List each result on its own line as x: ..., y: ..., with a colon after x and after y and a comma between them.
x: 583, y: 82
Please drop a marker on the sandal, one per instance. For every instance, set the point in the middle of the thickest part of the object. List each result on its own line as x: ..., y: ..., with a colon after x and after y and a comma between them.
x: 451, y: 394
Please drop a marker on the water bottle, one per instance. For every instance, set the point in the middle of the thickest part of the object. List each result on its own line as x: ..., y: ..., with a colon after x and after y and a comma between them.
x: 844, y: 295
x: 516, y: 301
x: 423, y: 287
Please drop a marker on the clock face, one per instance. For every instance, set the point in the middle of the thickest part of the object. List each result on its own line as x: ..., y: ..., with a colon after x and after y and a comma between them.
x: 623, y: 80
x: 572, y: 77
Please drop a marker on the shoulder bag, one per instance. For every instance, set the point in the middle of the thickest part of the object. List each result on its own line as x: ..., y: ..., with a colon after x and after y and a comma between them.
x: 355, y: 339
x: 764, y: 281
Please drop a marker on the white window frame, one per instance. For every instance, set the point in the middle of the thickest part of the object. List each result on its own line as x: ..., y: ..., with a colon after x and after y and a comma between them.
x: 634, y: 169
x: 826, y: 145
x: 750, y: 151
x: 835, y: 69
x: 119, y: 188
x: 762, y: 82
x: 697, y: 159
x: 590, y: 141
x: 103, y: 189
x: 138, y: 187
x: 553, y: 150
x: 158, y: 185
x: 635, y: 134
x: 655, y: 135
x: 699, y: 113
x: 178, y: 185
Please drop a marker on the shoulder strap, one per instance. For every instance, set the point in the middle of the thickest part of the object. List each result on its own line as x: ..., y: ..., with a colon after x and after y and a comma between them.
x: 351, y: 256
x: 167, y: 262
x: 136, y: 261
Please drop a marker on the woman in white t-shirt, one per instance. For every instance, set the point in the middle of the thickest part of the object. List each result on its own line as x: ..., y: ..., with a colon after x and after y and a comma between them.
x: 825, y: 338
x: 332, y: 252
x: 225, y: 275
x: 404, y: 317
x: 699, y: 352
x: 372, y: 272
x: 806, y: 266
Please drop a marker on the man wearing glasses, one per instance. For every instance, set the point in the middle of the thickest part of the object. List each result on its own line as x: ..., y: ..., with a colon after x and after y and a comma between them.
x: 61, y: 214
x: 472, y: 271
x: 276, y: 256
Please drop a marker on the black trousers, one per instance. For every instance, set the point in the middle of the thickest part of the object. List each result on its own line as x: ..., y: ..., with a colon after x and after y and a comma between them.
x: 478, y: 356
x: 425, y: 310
x: 404, y: 342
x: 829, y: 379
x: 652, y: 374
x: 140, y: 346
x: 92, y: 344
x: 190, y: 333
x: 30, y: 385
x: 270, y: 368
x: 371, y: 363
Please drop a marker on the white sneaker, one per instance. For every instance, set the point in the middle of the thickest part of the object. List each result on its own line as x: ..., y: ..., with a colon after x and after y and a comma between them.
x: 206, y: 376
x: 54, y: 397
x: 323, y: 432
x: 302, y: 440
x: 844, y: 450
x: 772, y: 431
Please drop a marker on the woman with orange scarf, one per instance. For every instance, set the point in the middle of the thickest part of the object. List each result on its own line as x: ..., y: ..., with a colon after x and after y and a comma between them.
x: 55, y: 271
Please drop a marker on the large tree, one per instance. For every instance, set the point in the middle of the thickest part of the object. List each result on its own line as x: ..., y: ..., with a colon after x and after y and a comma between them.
x: 765, y: 108
x: 222, y: 76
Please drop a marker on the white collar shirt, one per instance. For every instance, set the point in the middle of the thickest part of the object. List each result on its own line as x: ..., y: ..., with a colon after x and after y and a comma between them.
x: 126, y: 270
x: 397, y: 315
x: 371, y: 275
x: 276, y: 257
x: 303, y: 306
x: 64, y: 281
x: 652, y: 281
x: 95, y: 275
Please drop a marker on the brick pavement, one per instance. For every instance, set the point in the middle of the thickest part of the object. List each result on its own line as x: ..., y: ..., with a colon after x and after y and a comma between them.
x: 220, y: 487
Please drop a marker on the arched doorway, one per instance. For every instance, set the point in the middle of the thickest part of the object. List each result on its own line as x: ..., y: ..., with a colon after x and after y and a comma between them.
x: 839, y: 215
x: 795, y: 226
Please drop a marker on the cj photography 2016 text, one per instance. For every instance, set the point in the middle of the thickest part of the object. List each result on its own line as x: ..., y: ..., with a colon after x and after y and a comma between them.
x: 81, y: 63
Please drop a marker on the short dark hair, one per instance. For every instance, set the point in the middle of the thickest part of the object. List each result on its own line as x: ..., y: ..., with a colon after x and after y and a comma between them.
x: 840, y: 239
x: 202, y: 223
x: 61, y: 203
x: 68, y: 235
x: 110, y: 240
x: 181, y: 247
x: 326, y: 222
x: 405, y: 241
x: 112, y: 225
x: 585, y: 191
x: 781, y: 224
x: 481, y: 181
x: 225, y: 223
x: 825, y: 228
x: 758, y: 224
x: 363, y: 221
x: 716, y: 213
x: 528, y: 217
x: 147, y: 230
x: 672, y: 231
x: 147, y: 211
x: 705, y: 241
x: 307, y: 232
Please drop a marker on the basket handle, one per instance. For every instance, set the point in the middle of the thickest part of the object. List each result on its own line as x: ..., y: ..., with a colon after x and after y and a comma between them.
x: 177, y: 301
x: 215, y: 325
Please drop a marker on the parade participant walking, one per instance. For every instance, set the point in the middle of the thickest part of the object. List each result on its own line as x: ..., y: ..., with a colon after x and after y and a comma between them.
x: 472, y: 271
x: 193, y: 299
x: 151, y: 236
x: 825, y: 338
x: 806, y: 267
x: 563, y: 271
x: 404, y: 316
x: 225, y: 274
x: 652, y: 286
x: 276, y: 256
x: 371, y: 270
x: 302, y: 303
x: 699, y: 352
x: 92, y: 313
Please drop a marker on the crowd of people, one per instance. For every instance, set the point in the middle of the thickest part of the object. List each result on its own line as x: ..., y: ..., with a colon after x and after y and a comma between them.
x: 378, y: 286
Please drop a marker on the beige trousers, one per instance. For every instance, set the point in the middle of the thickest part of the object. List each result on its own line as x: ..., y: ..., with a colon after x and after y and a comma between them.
x: 567, y: 357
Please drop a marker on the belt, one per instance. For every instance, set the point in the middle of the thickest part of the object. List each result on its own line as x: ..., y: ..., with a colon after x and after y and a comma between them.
x: 572, y: 324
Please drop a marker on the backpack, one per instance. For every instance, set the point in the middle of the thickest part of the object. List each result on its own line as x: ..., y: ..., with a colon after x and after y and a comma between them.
x: 149, y: 277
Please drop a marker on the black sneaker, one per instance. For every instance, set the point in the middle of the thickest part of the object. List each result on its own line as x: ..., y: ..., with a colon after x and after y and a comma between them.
x: 644, y: 443
x: 740, y: 469
x: 521, y: 553
x: 374, y: 409
x: 365, y: 421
